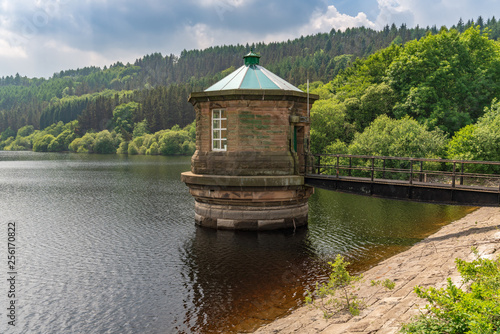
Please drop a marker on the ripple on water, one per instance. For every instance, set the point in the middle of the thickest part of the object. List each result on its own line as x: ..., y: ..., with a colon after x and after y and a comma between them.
x: 107, y: 244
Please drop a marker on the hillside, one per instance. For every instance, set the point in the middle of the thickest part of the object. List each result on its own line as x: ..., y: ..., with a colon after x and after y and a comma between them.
x: 438, y: 97
x: 422, y: 84
x: 41, y: 102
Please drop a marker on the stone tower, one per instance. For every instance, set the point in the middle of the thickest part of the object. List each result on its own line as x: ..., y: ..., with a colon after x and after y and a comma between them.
x: 252, y: 137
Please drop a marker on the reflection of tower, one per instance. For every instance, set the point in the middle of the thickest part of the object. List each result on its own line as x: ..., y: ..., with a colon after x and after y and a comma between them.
x: 240, y: 279
x: 252, y: 137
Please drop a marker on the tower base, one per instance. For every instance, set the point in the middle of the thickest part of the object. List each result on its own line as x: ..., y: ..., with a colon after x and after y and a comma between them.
x: 251, y: 217
x: 249, y: 202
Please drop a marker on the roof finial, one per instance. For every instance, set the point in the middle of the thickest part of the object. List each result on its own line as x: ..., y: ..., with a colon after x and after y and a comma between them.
x: 251, y: 58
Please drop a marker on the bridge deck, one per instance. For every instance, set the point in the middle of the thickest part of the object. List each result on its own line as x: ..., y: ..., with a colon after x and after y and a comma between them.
x: 429, y: 192
x: 438, y: 181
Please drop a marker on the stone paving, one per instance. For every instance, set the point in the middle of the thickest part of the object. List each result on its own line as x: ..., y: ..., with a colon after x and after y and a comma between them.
x: 428, y: 263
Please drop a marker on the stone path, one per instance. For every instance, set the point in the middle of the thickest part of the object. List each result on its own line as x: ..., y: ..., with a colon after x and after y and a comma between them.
x: 427, y: 263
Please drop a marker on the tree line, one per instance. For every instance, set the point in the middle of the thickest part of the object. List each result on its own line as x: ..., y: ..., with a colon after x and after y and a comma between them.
x: 64, y: 96
x: 437, y: 97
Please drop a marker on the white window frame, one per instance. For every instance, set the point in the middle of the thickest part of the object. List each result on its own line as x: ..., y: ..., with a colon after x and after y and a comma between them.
x: 220, y: 143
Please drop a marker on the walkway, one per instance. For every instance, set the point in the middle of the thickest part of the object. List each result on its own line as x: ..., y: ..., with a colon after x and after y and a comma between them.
x: 436, y: 181
x: 428, y: 263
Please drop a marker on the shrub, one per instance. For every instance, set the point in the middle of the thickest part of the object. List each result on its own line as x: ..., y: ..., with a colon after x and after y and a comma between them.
x: 171, y: 141
x: 480, y: 141
x: 476, y: 309
x: 153, y: 149
x: 140, y: 129
x: 104, y: 143
x: 123, y: 148
x: 84, y: 144
x: 132, y: 149
x: 337, y: 294
x: 42, y: 143
x: 25, y: 131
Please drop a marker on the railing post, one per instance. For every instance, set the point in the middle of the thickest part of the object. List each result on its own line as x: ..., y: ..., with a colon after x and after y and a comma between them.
x: 453, y: 177
x: 305, y: 164
x: 338, y: 166
x: 411, y: 171
x: 462, y: 174
x: 350, y: 165
x: 373, y: 167
x: 319, y: 165
x: 383, y: 169
x: 421, y: 176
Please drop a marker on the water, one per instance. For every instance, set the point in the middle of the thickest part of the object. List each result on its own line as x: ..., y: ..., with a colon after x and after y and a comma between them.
x: 107, y: 244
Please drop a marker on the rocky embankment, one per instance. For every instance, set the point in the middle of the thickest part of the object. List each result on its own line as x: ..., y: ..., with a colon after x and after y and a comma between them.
x: 428, y: 263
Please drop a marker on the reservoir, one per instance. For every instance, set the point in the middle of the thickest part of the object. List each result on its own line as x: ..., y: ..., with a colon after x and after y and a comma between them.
x: 108, y: 244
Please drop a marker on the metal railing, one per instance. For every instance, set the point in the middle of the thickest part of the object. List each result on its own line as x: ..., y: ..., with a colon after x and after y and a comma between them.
x: 451, y: 173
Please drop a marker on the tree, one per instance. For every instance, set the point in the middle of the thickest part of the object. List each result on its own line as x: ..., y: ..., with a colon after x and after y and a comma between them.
x: 340, y: 290
x: 447, y: 79
x: 480, y: 141
x: 328, y: 123
x: 140, y: 128
x: 25, y: 131
x: 122, y: 118
x: 105, y: 143
x: 400, y: 138
x: 171, y: 142
x: 42, y: 143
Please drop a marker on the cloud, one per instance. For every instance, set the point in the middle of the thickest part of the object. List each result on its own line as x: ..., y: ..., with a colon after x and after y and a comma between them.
x: 325, y: 21
x: 433, y: 12
x: 40, y: 37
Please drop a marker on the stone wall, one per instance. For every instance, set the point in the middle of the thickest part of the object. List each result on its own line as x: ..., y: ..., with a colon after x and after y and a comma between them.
x: 259, y: 135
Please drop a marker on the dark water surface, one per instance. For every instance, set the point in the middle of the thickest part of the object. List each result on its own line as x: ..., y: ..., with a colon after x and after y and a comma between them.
x: 107, y: 244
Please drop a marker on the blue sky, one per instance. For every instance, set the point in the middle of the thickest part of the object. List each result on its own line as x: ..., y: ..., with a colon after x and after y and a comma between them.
x: 40, y: 37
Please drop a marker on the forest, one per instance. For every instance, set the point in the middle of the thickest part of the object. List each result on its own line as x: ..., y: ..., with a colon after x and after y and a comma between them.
x: 423, y: 92
x: 432, y: 98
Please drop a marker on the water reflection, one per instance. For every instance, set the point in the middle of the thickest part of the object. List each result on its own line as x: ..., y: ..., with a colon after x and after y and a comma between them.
x: 367, y: 230
x: 108, y: 245
x: 241, y: 279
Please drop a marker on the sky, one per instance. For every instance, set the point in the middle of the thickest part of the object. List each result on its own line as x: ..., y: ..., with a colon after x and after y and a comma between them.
x: 41, y: 37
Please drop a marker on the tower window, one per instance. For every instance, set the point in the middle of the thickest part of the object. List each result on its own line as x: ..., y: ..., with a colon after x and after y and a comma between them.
x: 219, y: 130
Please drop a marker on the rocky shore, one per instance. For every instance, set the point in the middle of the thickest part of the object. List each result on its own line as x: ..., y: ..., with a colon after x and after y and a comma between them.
x: 428, y: 263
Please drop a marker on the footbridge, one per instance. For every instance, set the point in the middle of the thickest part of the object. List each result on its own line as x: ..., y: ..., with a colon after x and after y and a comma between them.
x: 439, y: 181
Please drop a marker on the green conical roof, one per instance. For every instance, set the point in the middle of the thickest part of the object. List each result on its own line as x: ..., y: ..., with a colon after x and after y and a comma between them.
x: 252, y: 76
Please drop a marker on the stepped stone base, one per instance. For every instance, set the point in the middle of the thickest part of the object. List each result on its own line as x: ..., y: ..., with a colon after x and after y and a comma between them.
x: 249, y: 202
x: 251, y: 218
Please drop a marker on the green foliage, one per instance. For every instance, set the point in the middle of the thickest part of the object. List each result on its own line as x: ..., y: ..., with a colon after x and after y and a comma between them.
x: 172, y: 142
x: 153, y: 149
x: 41, y: 144
x: 480, y: 141
x: 122, y: 118
x: 338, y: 293
x: 175, y: 141
x: 19, y: 144
x: 6, y: 143
x: 25, y: 131
x: 72, y: 93
x: 7, y: 133
x: 328, y: 123
x: 318, y: 88
x: 105, y: 143
x: 62, y: 141
x: 123, y: 148
x: 84, y: 144
x: 474, y: 309
x: 140, y: 128
x: 446, y: 79
x: 400, y: 138
x: 132, y: 149
x: 387, y: 283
